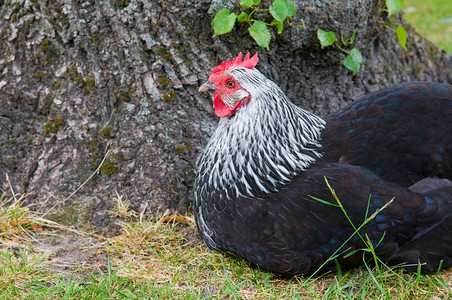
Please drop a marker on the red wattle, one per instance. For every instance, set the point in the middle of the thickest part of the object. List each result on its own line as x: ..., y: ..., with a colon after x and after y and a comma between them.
x: 240, y: 104
x: 221, y: 109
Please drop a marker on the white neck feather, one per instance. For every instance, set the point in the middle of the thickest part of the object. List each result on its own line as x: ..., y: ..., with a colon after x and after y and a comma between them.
x: 265, y: 144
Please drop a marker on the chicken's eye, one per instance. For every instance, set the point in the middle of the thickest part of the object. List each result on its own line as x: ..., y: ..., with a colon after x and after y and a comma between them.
x: 230, y: 83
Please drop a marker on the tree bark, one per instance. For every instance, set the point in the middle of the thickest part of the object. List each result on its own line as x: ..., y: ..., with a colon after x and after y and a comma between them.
x: 80, y: 79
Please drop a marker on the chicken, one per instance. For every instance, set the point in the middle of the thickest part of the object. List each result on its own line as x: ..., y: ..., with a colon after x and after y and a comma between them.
x: 261, y: 190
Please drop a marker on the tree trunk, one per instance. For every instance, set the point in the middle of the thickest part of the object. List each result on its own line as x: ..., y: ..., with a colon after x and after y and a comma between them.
x: 80, y: 79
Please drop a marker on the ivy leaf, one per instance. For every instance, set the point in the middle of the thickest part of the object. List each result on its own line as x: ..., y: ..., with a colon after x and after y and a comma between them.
x: 279, y: 25
x: 401, y: 36
x: 290, y: 8
x: 260, y: 33
x: 352, y: 38
x: 278, y: 10
x: 302, y: 22
x: 242, y: 17
x: 247, y: 3
x: 325, y: 38
x: 353, y: 60
x: 223, y: 22
x: 394, y: 6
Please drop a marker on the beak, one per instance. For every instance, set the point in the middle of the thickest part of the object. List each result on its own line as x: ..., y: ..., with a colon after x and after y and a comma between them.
x: 206, y: 87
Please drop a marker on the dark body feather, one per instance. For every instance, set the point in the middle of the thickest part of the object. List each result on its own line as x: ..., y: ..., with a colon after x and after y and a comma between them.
x: 372, y: 149
x: 403, y: 133
x: 291, y: 233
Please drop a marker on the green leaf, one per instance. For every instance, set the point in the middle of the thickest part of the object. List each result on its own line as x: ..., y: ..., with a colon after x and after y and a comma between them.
x: 323, y: 201
x: 302, y: 22
x: 394, y: 6
x: 256, y: 2
x: 223, y: 22
x: 401, y: 36
x: 290, y: 8
x: 325, y: 38
x: 353, y: 60
x: 352, y: 38
x: 247, y: 3
x: 355, y: 251
x: 242, y: 17
x: 278, y: 10
x: 279, y: 25
x: 260, y: 33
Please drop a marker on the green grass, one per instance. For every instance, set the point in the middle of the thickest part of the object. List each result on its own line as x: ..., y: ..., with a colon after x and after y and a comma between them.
x: 164, y: 258
x: 155, y: 260
x: 432, y: 19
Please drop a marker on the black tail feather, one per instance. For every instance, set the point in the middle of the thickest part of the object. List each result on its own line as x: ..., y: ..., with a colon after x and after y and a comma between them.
x: 433, y: 248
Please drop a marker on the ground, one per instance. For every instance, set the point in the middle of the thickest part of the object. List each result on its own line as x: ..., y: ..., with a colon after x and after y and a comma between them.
x: 166, y: 258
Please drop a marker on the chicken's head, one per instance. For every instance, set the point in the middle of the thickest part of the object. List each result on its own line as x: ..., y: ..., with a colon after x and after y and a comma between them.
x: 229, y: 94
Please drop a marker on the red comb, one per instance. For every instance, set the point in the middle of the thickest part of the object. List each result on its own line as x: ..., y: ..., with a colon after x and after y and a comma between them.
x: 247, y: 62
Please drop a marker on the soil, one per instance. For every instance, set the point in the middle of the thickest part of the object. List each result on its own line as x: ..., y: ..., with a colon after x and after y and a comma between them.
x: 71, y: 255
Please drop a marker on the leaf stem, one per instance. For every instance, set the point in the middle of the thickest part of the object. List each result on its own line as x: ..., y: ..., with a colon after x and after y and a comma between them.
x: 342, y: 49
x: 249, y: 16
